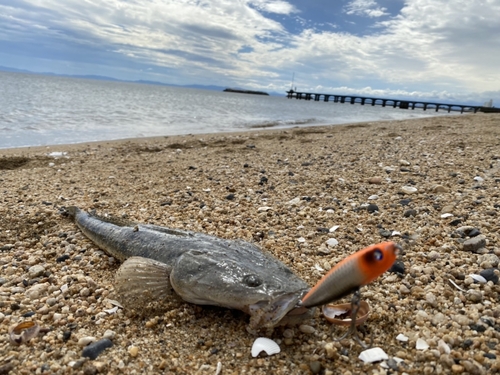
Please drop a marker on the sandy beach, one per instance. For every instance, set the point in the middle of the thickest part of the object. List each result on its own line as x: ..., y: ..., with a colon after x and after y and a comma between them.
x: 357, y: 177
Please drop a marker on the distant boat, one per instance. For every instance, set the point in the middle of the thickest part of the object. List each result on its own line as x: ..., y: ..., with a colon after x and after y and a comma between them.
x: 246, y: 91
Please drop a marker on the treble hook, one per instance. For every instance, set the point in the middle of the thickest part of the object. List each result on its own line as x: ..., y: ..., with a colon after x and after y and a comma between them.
x: 353, y: 330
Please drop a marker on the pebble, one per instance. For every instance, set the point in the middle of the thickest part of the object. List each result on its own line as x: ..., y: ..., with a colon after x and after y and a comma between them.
x: 93, y: 350
x: 84, y: 341
x: 133, y: 351
x: 305, y: 328
x: 36, y: 271
x: 490, y: 275
x: 440, y: 189
x: 410, y: 213
x: 372, y: 208
x: 474, y: 244
x: 408, y: 190
x: 491, y: 259
x: 332, y: 242
x: 398, y: 267
x: 421, y: 344
x: 474, y: 296
x: 376, y: 180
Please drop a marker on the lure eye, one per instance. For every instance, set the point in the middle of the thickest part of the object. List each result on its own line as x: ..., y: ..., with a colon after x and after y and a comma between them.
x: 252, y: 281
x: 378, y: 255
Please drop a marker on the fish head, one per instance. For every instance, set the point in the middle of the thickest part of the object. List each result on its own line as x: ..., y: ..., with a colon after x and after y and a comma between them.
x: 244, y: 278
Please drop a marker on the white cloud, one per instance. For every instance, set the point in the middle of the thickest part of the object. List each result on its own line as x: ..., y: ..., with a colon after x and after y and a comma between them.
x: 367, y: 8
x: 430, y: 46
x: 274, y: 6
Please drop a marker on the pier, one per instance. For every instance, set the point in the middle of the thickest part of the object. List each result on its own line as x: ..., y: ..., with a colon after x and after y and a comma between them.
x: 395, y: 103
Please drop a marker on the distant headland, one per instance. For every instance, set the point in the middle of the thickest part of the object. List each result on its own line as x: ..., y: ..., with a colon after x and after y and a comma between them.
x: 246, y: 91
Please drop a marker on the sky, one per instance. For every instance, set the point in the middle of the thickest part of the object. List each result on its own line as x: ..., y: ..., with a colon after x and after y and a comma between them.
x: 422, y: 49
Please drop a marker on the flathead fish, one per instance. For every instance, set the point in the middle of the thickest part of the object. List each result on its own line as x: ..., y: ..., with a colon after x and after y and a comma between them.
x: 200, y: 268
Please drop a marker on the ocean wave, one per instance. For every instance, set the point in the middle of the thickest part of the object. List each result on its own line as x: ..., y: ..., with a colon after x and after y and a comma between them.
x: 280, y: 123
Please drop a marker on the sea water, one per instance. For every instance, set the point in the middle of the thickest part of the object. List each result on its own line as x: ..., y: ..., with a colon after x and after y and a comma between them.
x: 38, y: 110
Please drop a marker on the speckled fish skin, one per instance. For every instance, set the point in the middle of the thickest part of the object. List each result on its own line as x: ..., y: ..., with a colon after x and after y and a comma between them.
x: 206, y: 270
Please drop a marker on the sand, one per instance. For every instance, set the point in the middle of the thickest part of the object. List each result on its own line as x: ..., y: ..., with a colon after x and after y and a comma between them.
x: 449, y: 229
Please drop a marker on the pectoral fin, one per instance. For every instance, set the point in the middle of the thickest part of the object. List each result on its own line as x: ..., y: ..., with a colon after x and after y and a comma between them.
x: 140, y: 281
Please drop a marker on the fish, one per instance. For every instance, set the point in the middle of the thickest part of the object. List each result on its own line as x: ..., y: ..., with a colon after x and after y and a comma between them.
x: 353, y: 272
x: 159, y: 262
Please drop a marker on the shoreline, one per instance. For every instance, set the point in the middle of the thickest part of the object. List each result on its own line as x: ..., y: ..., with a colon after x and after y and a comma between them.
x: 216, y: 183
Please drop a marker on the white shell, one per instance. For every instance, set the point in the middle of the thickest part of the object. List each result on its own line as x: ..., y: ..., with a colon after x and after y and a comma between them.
x: 444, y: 216
x: 479, y: 278
x: 409, y: 189
x: 422, y: 345
x: 301, y: 239
x: 294, y: 201
x: 264, y: 208
x: 402, y: 337
x: 332, y: 242
x: 373, y: 355
x: 478, y: 179
x: 443, y: 347
x: 266, y: 345
x: 334, y: 228
x: 373, y: 197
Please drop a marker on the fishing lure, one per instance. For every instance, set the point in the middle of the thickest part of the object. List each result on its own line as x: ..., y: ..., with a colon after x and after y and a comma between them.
x: 358, y: 269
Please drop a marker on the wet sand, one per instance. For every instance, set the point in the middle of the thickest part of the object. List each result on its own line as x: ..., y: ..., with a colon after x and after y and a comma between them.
x: 216, y: 184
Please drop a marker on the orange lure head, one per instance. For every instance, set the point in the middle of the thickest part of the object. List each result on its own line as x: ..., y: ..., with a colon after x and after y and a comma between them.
x: 374, y: 260
x: 358, y: 269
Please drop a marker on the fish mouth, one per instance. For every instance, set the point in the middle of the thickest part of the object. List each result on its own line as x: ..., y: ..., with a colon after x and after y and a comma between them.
x: 278, y: 311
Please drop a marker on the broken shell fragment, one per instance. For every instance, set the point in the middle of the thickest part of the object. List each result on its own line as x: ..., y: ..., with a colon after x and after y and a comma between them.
x: 340, y: 314
x: 373, y: 355
x: 23, y: 332
x: 266, y: 345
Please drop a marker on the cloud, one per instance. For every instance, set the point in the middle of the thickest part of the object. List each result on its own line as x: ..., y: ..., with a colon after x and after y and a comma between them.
x: 366, y: 8
x: 428, y: 46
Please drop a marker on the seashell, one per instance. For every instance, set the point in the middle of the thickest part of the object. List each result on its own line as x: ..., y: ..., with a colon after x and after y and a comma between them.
x: 264, y: 209
x: 332, y: 242
x: 340, y: 314
x: 422, y: 345
x: 334, y: 228
x: 373, y: 355
x: 301, y: 239
x: 478, y: 278
x: 266, y: 345
x: 373, y: 197
x: 402, y: 337
x: 23, y: 332
x: 408, y: 190
x: 444, y: 216
x: 478, y: 179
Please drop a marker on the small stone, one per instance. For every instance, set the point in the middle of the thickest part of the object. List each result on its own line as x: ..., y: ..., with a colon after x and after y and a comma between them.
x: 304, y: 328
x: 376, y: 180
x: 440, y: 189
x: 474, y: 296
x: 448, y: 209
x: 403, y: 162
x: 474, y: 244
x: 36, y: 271
x: 85, y: 292
x: 474, y: 232
x: 315, y: 367
x: 431, y: 299
x: 385, y: 233
x: 408, y: 190
x: 93, y: 350
x: 402, y: 338
x: 438, y: 319
x: 443, y: 347
x: 457, y: 369
x: 372, y: 208
x: 84, y: 341
x: 491, y: 259
x: 133, y: 351
x: 490, y: 275
x: 410, y: 213
x: 109, y: 334
x: 398, y: 267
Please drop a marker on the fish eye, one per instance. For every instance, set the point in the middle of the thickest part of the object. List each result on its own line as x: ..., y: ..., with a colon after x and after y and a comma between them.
x: 377, y: 254
x: 252, y: 281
